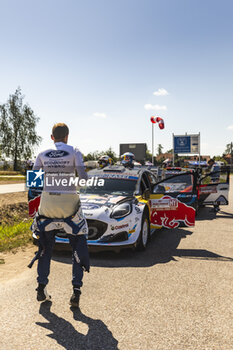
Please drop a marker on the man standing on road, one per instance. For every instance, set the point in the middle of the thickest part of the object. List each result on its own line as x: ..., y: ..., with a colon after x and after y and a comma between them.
x: 61, y: 202
x: 215, y: 169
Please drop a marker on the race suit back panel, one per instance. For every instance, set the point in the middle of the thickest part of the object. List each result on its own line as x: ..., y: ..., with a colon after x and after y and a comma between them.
x: 59, y: 197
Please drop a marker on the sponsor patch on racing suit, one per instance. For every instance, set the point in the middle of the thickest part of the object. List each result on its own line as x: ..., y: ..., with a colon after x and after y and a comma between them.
x: 59, y: 165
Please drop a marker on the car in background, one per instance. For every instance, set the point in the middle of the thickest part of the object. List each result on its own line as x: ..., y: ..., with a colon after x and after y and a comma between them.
x: 212, y: 187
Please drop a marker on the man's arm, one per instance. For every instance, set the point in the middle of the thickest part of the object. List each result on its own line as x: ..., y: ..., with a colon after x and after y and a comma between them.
x: 38, y: 163
x: 79, y: 165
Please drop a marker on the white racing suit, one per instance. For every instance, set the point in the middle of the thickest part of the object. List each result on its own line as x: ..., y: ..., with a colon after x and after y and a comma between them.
x: 60, y: 210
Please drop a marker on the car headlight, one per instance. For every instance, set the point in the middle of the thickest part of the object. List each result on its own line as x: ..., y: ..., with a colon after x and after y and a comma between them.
x: 121, y: 211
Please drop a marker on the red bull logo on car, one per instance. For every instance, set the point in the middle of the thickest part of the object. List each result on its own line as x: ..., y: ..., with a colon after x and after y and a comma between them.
x: 33, y: 206
x: 169, y: 212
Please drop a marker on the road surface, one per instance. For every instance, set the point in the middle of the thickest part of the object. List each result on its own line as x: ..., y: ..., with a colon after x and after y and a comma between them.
x: 177, y: 295
x: 12, y: 188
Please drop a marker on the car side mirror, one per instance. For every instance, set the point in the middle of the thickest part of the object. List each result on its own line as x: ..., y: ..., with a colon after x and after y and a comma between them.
x: 146, y: 194
x: 159, y: 189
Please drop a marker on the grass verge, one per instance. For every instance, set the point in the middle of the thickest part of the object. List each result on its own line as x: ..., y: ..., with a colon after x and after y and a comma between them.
x: 13, y: 236
x: 11, y: 178
x: 10, y: 172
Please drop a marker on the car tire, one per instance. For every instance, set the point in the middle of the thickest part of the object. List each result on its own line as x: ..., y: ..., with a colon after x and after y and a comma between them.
x: 144, y: 234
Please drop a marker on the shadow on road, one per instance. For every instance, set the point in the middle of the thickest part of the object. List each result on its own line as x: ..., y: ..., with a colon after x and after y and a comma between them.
x: 161, y: 249
x: 224, y: 215
x: 200, y: 254
x: 98, y: 336
x: 207, y: 213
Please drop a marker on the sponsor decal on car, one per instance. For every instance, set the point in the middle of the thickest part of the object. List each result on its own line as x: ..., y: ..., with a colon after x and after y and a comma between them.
x: 33, y: 206
x: 119, y: 227
x: 138, y: 210
x: 88, y: 214
x: 208, y: 189
x: 133, y: 229
x: 164, y: 203
x: 93, y: 201
x: 118, y: 176
x: 171, y: 218
x: 90, y: 206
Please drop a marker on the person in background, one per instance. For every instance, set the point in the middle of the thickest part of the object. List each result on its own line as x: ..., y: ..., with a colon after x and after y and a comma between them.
x: 215, y: 169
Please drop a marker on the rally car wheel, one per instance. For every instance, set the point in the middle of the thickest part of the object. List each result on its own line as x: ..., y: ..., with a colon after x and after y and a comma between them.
x: 144, y: 234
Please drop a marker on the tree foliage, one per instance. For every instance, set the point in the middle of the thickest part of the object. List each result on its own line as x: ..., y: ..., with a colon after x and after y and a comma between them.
x: 229, y: 148
x: 148, y: 155
x: 220, y: 159
x: 17, y: 129
x: 97, y: 154
x: 111, y: 154
x: 91, y: 156
x: 159, y: 149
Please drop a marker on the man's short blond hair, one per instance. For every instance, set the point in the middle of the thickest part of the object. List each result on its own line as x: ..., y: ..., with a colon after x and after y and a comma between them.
x: 60, y: 131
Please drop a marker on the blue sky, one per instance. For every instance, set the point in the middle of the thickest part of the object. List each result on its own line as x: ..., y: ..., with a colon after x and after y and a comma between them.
x: 95, y: 65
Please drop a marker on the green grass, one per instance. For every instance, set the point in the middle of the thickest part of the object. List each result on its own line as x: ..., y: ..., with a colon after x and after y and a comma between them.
x: 15, y: 235
x: 13, y: 179
x: 10, y: 172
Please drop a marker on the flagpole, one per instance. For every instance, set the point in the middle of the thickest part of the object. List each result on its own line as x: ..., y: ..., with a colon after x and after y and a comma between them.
x: 152, y: 143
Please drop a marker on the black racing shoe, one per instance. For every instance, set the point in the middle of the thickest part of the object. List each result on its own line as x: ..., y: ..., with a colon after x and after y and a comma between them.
x: 42, y: 293
x: 74, y: 300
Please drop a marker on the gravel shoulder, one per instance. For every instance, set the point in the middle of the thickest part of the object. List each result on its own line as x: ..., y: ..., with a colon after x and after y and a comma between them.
x: 13, y: 198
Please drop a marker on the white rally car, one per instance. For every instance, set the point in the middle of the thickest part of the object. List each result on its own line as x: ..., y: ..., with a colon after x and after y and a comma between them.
x: 125, y: 211
x: 128, y: 207
x: 115, y: 216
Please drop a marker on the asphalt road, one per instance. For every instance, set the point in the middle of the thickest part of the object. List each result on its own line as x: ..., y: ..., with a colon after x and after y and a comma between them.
x: 177, y: 295
x: 12, y: 188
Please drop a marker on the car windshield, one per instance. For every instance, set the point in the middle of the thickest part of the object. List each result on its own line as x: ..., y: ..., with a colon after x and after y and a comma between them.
x: 178, y: 179
x: 125, y: 187
x: 181, y: 183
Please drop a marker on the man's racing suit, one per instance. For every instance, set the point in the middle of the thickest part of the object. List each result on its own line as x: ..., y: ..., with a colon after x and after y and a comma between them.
x: 59, y: 199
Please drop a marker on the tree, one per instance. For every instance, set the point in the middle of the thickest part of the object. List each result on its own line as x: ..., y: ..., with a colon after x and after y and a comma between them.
x: 17, y: 129
x: 160, y: 161
x: 148, y: 155
x: 159, y: 149
x: 111, y: 154
x: 97, y: 154
x: 93, y: 156
x: 220, y: 159
x: 229, y: 148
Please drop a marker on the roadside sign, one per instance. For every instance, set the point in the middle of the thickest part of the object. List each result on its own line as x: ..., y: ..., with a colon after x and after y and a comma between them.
x: 186, y: 143
x: 182, y: 144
